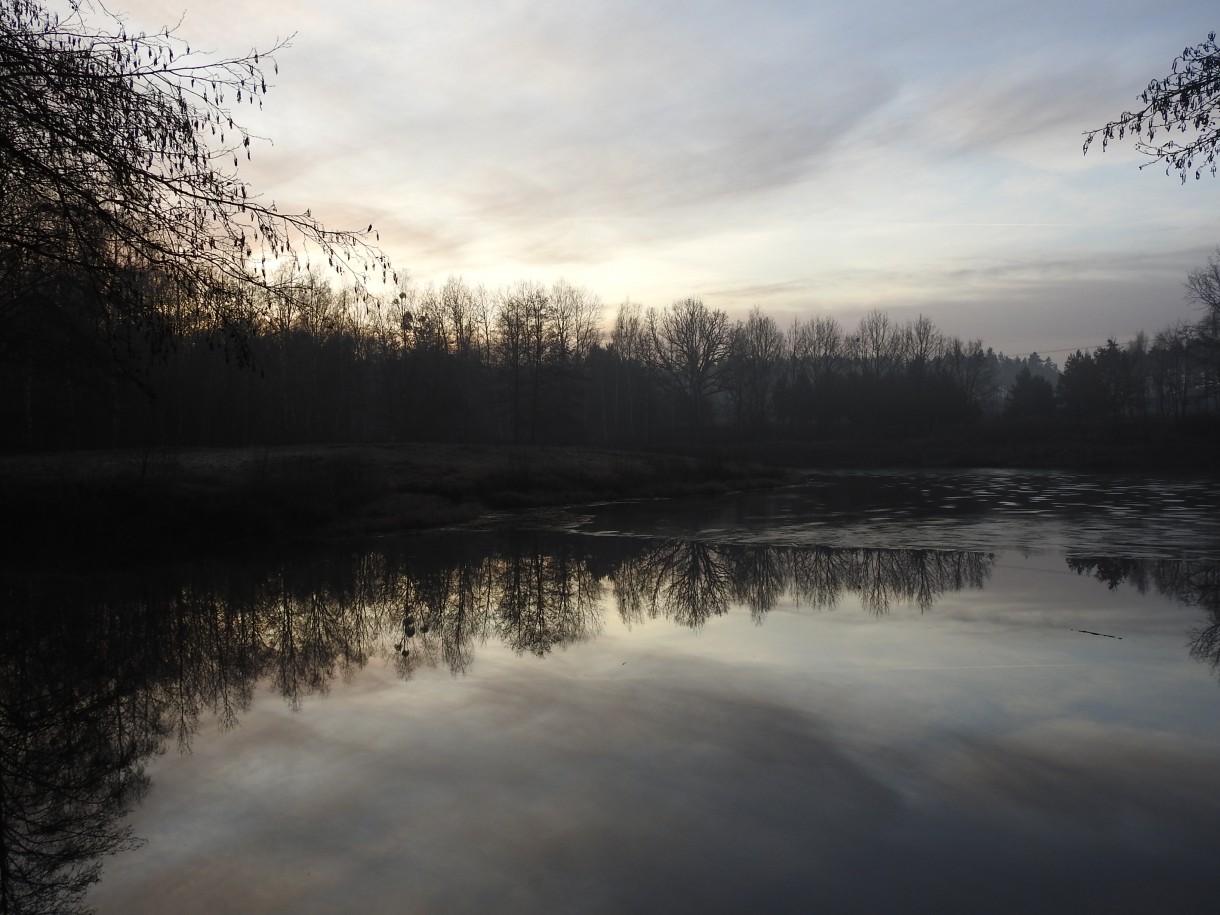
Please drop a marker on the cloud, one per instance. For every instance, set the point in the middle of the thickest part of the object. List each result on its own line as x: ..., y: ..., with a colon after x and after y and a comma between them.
x: 808, y: 156
x: 645, y: 120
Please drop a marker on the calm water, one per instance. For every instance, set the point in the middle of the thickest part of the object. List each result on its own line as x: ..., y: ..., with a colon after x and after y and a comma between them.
x: 968, y: 692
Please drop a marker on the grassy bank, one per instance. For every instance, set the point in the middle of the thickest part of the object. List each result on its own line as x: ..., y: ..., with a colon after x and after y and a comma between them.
x: 221, y: 498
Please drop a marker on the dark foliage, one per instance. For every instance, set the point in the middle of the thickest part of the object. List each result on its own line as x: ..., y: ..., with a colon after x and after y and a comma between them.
x: 1030, y: 396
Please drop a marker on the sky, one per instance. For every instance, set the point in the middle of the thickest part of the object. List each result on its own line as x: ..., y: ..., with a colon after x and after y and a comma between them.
x: 809, y: 158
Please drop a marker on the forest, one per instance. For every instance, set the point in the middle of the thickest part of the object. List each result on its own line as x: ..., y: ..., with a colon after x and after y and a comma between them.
x: 535, y: 364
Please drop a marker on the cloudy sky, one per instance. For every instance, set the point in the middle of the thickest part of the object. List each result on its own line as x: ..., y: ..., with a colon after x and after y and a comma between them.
x: 808, y: 157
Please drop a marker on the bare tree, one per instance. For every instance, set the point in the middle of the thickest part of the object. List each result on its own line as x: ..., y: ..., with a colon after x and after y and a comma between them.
x: 756, y: 351
x: 819, y: 348
x: 1203, y: 287
x: 484, y: 304
x: 426, y: 320
x: 629, y: 346
x: 967, y: 365
x: 924, y: 343
x: 576, y: 316
x: 688, y: 343
x: 628, y: 337
x: 522, y: 328
x: 880, y: 345
x: 460, y: 316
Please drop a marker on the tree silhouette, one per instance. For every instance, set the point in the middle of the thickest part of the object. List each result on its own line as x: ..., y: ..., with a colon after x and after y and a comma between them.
x: 688, y: 343
x: 119, y: 157
x: 1030, y: 395
x: 753, y: 360
x: 1186, y: 102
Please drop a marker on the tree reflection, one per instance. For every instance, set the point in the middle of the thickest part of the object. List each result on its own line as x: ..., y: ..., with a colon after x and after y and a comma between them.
x: 76, y: 724
x: 100, y: 671
x: 546, y: 597
x: 1193, y: 582
x: 690, y: 582
x: 759, y: 576
x: 97, y: 672
x: 444, y: 612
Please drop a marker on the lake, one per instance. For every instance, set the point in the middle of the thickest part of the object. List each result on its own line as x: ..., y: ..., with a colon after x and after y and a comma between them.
x: 953, y: 692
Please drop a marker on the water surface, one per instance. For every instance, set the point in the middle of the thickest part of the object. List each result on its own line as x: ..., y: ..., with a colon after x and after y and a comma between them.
x: 981, y: 691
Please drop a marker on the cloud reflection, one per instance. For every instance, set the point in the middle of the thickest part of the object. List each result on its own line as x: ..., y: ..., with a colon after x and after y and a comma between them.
x: 651, y: 769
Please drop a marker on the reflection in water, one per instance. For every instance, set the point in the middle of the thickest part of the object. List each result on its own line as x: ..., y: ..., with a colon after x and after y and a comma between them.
x: 1193, y: 582
x: 77, y: 720
x: 692, y: 581
x: 100, y: 672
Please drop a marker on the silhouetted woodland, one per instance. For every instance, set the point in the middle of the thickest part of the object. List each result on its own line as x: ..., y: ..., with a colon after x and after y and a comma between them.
x: 531, y: 364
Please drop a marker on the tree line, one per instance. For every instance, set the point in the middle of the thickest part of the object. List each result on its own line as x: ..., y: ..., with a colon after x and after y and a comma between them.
x: 529, y: 363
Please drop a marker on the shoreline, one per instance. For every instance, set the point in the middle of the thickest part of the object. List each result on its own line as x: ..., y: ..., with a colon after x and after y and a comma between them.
x: 218, y: 499
x: 213, y: 500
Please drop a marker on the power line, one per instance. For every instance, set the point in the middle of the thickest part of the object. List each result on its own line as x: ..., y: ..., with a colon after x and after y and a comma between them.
x: 1068, y: 349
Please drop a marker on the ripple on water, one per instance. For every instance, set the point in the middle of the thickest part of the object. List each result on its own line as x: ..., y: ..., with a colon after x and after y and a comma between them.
x: 984, y: 510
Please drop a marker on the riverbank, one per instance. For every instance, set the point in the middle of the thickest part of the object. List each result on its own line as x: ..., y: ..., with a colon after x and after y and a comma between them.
x: 201, y: 499
x: 209, y: 499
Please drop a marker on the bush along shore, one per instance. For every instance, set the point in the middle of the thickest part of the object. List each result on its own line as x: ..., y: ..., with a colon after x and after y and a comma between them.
x: 220, y: 499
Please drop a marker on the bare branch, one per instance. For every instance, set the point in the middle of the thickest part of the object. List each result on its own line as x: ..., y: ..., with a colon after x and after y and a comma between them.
x: 1186, y: 102
x: 119, y: 156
